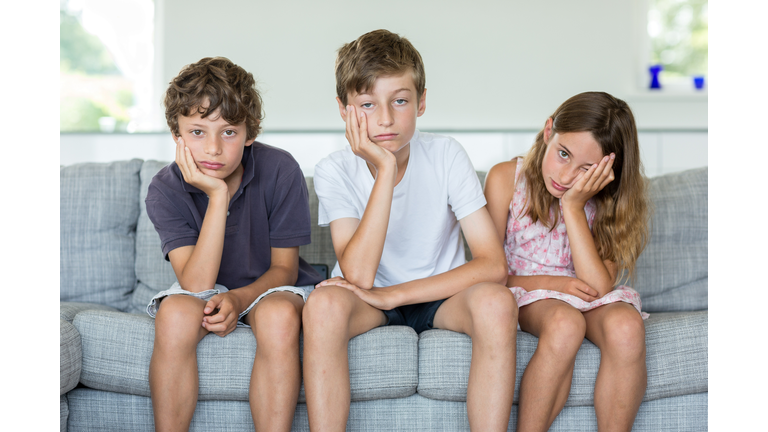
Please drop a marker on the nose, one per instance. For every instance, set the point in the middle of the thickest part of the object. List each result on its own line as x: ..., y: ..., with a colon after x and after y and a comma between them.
x: 213, y: 146
x: 385, y: 117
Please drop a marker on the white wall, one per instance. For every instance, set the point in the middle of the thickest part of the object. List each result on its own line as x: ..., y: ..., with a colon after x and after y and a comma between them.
x: 490, y: 65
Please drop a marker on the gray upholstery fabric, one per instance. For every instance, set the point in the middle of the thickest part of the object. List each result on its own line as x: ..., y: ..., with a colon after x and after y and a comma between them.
x: 94, y: 410
x: 98, y: 212
x: 152, y: 270
x: 676, y: 355
x: 68, y: 310
x: 320, y: 251
x: 117, y: 348
x: 672, y: 271
x: 70, y: 356
x: 63, y: 413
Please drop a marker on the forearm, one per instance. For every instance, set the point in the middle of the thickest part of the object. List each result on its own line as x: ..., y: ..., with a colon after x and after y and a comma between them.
x: 588, y: 265
x: 275, y: 276
x: 536, y: 282
x: 360, y: 258
x: 202, y: 267
x: 445, y: 285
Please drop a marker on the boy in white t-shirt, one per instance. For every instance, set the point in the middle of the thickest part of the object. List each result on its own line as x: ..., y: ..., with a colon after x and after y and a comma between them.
x: 395, y: 201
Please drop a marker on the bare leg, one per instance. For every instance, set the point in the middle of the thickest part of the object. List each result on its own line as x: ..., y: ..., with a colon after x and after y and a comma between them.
x: 332, y: 316
x: 173, y: 380
x: 487, y: 312
x: 618, y: 330
x: 546, y: 381
x: 276, y: 375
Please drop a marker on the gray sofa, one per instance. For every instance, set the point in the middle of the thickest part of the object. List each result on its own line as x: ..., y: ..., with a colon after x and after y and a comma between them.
x: 111, y: 265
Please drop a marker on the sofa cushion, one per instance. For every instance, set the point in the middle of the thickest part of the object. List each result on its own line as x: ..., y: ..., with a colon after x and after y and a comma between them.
x: 320, y: 251
x: 99, y: 207
x: 70, y: 356
x: 68, y: 310
x: 676, y: 356
x: 672, y: 271
x: 153, y: 272
x: 117, y: 348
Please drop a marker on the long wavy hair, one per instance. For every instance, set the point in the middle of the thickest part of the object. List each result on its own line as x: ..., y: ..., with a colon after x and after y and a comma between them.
x: 620, y: 228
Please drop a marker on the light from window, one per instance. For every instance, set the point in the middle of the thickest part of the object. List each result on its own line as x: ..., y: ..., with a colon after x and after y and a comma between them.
x: 678, y: 31
x: 106, y: 65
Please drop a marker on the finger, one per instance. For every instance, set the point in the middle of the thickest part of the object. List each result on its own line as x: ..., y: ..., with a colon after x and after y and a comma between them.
x: 363, y: 128
x: 611, y: 177
x: 212, y: 304
x: 325, y: 282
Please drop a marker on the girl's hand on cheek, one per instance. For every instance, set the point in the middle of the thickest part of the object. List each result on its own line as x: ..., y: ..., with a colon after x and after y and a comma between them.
x: 588, y: 184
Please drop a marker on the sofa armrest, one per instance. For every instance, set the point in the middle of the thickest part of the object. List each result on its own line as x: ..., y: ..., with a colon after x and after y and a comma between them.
x: 68, y: 310
x: 70, y: 356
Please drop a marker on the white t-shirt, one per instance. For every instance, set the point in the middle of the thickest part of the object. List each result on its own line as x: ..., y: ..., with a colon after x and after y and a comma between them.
x: 439, y: 188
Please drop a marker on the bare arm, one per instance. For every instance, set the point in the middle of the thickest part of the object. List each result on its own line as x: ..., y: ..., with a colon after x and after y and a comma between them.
x: 499, y: 191
x: 197, y: 267
x: 359, y: 244
x: 488, y: 265
x: 590, y: 268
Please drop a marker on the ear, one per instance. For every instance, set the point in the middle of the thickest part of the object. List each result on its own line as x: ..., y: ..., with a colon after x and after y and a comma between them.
x: 548, y: 130
x: 422, y: 104
x: 342, y: 109
x: 176, y: 139
x: 249, y: 142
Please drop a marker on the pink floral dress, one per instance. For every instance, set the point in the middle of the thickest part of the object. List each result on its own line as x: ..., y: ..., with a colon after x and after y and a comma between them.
x: 532, y: 249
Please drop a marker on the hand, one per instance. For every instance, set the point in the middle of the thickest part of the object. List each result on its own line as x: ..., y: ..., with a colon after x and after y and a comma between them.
x: 192, y: 173
x: 221, y: 314
x: 590, y: 183
x: 378, y: 298
x: 362, y: 146
x: 576, y: 287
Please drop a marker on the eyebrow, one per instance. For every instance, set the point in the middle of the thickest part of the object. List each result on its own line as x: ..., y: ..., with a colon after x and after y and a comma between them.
x: 394, y: 92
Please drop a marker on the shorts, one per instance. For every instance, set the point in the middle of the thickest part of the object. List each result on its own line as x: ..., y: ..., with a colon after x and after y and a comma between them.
x: 176, y: 289
x: 419, y: 317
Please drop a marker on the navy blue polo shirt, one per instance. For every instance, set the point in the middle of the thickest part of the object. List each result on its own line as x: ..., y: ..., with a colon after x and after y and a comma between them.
x: 270, y: 209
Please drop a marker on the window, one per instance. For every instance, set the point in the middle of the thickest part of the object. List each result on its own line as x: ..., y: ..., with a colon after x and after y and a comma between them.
x: 678, y: 32
x: 106, y: 65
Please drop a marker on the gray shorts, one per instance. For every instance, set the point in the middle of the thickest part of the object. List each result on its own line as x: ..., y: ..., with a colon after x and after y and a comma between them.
x: 176, y: 289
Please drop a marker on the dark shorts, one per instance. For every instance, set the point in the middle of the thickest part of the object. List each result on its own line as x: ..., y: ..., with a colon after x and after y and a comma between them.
x: 419, y: 317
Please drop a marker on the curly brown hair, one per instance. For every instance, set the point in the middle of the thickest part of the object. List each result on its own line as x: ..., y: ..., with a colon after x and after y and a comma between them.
x: 373, y: 55
x: 223, y: 85
x: 620, y: 228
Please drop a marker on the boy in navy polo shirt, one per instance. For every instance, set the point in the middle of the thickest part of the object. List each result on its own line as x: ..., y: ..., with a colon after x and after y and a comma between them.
x: 231, y: 214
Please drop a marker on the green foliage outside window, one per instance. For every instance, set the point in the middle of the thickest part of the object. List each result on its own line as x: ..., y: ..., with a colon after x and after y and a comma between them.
x: 92, y: 86
x: 679, y: 37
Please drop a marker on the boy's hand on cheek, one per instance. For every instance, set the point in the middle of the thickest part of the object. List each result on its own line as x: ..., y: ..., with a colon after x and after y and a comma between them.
x: 357, y: 135
x: 192, y: 173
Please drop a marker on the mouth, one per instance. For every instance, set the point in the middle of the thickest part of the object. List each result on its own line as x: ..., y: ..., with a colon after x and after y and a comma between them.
x: 558, y: 187
x: 211, y: 165
x: 385, y: 137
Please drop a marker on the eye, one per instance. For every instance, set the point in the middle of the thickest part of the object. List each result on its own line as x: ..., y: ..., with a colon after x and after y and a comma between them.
x: 563, y: 154
x: 196, y: 132
x: 401, y: 102
x: 229, y: 133
x: 367, y: 105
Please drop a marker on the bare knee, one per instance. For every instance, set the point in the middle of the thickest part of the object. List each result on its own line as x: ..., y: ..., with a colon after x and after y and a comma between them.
x: 564, y: 331
x: 276, y: 323
x: 624, y: 334
x: 178, y: 323
x: 328, y: 308
x: 493, y: 310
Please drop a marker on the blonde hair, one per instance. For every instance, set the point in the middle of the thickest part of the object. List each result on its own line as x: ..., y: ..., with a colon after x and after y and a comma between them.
x: 620, y: 228
x: 373, y: 55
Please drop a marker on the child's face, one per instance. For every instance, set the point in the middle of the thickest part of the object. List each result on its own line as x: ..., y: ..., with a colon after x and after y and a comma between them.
x: 391, y: 108
x: 216, y: 146
x: 567, y: 156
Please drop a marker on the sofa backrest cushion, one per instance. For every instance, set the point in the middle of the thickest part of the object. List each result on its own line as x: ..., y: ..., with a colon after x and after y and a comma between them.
x: 672, y: 271
x: 99, y: 208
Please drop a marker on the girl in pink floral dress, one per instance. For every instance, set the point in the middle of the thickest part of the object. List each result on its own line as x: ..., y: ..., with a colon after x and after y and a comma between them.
x: 572, y: 216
